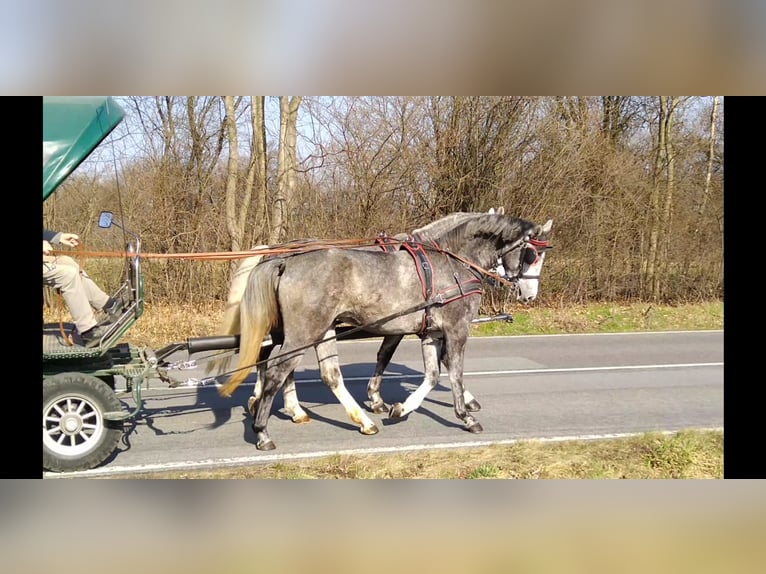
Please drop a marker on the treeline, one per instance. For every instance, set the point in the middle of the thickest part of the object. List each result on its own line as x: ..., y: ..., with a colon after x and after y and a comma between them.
x: 634, y: 184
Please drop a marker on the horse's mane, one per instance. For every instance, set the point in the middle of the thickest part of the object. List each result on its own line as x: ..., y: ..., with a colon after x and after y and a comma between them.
x: 440, y: 226
x: 484, y: 225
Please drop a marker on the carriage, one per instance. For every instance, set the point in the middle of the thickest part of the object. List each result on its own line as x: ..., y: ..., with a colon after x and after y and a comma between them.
x: 83, y: 415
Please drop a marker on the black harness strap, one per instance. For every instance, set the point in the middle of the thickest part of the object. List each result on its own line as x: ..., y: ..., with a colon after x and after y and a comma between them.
x: 423, y: 267
x: 460, y: 290
x: 425, y: 272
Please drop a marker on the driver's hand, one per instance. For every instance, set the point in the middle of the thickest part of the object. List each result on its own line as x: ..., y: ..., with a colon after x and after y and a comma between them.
x: 70, y: 239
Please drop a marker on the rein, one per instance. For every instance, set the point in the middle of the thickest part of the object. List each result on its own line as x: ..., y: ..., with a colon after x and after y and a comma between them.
x: 281, y: 249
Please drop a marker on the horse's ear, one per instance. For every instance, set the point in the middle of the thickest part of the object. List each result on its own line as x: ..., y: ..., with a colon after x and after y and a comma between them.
x: 543, y: 229
x: 501, y: 210
x: 491, y: 211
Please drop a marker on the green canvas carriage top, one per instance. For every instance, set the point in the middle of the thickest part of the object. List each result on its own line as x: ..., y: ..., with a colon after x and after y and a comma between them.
x: 72, y: 128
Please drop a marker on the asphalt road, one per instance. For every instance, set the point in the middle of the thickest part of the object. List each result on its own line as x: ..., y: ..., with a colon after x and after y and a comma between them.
x: 541, y: 387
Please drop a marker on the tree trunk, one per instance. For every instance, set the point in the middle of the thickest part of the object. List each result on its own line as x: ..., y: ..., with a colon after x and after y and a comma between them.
x: 287, y: 164
x: 260, y: 161
x: 661, y: 203
x: 666, y: 222
x: 654, y: 203
x: 232, y: 176
x: 711, y: 148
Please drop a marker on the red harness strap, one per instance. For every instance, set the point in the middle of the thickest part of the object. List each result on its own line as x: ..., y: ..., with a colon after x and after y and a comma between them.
x: 387, y: 243
x: 422, y: 263
x: 424, y: 268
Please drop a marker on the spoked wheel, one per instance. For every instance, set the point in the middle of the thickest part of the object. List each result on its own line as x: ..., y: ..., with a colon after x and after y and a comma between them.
x: 75, y: 434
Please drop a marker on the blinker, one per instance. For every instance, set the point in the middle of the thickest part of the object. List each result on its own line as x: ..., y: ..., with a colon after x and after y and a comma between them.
x: 530, y: 255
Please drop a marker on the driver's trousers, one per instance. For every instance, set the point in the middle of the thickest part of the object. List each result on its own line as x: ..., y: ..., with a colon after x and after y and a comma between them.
x: 79, y: 291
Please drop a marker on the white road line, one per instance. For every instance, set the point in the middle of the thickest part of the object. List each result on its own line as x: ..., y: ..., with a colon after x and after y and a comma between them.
x: 531, y: 371
x: 389, y: 376
x: 270, y: 458
x: 630, y: 333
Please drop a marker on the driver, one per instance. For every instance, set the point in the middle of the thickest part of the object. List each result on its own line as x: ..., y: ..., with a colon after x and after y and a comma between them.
x: 80, y: 292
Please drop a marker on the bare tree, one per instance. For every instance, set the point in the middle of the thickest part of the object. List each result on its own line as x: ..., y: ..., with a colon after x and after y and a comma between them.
x: 473, y: 139
x: 258, y: 173
x: 232, y: 177
x: 711, y: 154
x: 635, y: 184
x: 661, y: 197
x: 286, y: 167
x: 618, y: 113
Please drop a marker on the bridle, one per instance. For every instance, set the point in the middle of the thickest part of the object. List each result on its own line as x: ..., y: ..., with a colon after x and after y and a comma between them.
x: 530, y: 253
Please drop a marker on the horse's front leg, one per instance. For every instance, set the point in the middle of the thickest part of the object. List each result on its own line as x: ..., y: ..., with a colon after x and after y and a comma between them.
x: 471, y: 404
x: 431, y: 348
x: 292, y: 406
x: 453, y: 359
x: 386, y: 351
x: 290, y: 394
x: 329, y: 367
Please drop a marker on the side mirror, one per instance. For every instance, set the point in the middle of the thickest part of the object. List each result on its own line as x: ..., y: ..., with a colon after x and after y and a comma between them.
x: 105, y: 219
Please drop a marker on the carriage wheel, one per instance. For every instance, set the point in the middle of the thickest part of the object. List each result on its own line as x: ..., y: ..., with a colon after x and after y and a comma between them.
x: 76, y: 436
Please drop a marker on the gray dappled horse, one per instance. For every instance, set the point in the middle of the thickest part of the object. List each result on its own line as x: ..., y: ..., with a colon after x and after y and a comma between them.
x: 231, y: 322
x: 388, y: 294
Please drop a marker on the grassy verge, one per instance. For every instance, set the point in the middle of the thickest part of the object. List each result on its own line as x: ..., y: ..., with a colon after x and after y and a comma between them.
x: 607, y: 318
x: 688, y: 454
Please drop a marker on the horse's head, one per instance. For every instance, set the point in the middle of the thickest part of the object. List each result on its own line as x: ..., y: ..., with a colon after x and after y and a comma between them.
x: 523, y: 261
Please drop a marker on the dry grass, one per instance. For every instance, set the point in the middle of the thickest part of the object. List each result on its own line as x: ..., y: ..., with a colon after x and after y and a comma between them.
x: 689, y: 454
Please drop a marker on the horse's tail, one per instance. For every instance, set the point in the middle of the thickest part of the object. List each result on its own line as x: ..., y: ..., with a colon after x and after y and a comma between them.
x: 259, y: 314
x: 230, y: 322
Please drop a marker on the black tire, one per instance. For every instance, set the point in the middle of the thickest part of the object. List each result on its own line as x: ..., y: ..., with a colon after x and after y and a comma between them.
x: 75, y: 434
x: 109, y: 380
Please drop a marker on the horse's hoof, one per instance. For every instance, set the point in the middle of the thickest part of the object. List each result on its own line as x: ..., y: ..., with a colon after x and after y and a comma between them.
x: 251, y: 406
x: 262, y: 440
x: 475, y: 428
x: 267, y: 444
x: 397, y: 411
x: 379, y: 408
x: 473, y: 406
x: 370, y: 430
x: 301, y: 419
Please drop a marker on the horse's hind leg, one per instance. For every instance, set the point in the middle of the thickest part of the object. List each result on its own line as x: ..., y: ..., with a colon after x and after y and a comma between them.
x: 327, y: 356
x: 431, y: 350
x: 273, y: 379
x: 386, y: 351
